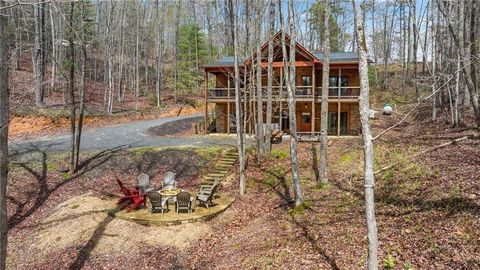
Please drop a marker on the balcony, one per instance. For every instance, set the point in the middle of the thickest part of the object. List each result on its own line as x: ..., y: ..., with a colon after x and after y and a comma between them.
x: 280, y: 93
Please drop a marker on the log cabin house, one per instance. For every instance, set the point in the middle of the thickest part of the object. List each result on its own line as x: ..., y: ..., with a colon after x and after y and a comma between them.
x: 343, y: 110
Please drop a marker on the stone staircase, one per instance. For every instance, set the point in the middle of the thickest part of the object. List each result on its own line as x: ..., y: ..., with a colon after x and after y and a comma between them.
x: 222, y: 167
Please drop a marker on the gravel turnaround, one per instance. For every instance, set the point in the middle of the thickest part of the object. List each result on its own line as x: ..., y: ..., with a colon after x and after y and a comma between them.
x: 128, y: 135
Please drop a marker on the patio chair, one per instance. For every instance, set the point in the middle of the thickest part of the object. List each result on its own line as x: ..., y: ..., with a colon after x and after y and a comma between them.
x: 205, y: 197
x: 169, y: 180
x: 209, y: 186
x: 157, y: 201
x: 144, y: 183
x: 144, y: 186
x: 184, y: 202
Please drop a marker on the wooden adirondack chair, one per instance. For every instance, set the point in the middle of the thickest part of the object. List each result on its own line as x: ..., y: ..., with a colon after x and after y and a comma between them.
x: 131, y: 196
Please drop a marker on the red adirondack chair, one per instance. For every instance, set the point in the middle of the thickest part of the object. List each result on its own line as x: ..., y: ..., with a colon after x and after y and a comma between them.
x: 132, y: 196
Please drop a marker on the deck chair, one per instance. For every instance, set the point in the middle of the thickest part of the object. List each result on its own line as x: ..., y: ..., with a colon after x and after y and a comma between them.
x: 184, y: 202
x: 144, y: 183
x: 209, y: 186
x: 157, y: 201
x: 169, y: 180
x: 205, y: 197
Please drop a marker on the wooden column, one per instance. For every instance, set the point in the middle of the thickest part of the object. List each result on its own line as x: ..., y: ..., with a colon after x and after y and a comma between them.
x: 338, y: 104
x: 206, y: 102
x: 313, y: 99
x: 228, y: 105
x: 280, y: 98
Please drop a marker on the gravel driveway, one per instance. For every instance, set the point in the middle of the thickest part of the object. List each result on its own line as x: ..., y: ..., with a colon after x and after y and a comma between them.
x: 126, y: 135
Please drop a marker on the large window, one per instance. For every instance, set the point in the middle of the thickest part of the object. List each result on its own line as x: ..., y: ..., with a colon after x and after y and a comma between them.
x: 333, y: 82
x: 306, y: 80
x: 333, y: 122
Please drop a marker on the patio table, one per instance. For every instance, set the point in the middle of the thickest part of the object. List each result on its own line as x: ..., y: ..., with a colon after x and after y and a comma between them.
x: 170, y: 193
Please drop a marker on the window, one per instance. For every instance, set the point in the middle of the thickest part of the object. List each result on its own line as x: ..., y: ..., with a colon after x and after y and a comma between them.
x: 333, y: 81
x: 333, y: 122
x: 306, y: 80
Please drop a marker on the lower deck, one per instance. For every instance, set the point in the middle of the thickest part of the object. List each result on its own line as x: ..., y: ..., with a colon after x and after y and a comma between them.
x: 343, y: 117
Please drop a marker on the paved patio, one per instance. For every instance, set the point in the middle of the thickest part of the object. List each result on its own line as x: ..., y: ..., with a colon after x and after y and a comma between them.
x: 145, y: 217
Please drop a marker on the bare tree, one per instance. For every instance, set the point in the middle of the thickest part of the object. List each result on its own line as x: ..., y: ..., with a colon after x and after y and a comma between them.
x: 324, y: 110
x: 159, y: 56
x: 71, y: 87
x: 39, y: 60
x: 290, y: 76
x: 260, y: 134
x: 364, y: 105
x: 268, y: 127
x: 4, y: 119
x: 238, y: 100
x: 465, y: 55
x: 81, y: 86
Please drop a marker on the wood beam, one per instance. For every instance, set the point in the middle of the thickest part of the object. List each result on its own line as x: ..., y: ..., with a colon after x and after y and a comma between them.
x: 228, y: 105
x: 313, y: 100
x: 206, y: 103
x: 338, y: 104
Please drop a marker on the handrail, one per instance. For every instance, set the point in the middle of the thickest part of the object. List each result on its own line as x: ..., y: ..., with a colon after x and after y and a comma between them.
x: 301, y: 91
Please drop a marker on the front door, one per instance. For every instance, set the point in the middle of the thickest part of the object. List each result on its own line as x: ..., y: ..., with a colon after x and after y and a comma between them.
x: 306, y: 122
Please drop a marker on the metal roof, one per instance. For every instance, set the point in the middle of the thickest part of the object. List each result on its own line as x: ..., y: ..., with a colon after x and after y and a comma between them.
x: 339, y: 56
x: 224, y: 61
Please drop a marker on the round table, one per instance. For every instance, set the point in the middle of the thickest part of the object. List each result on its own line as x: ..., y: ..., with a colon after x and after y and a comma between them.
x: 170, y: 193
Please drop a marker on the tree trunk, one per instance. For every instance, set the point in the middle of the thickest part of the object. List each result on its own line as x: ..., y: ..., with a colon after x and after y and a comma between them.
x: 4, y: 120
x: 137, y: 57
x: 325, y: 81
x: 415, y: 47
x: 81, y: 86
x: 291, y: 102
x: 369, y: 181
x: 268, y: 127
x: 177, y: 29
x: 238, y: 100
x: 260, y: 135
x: 122, y: 45
x: 158, y: 67
x: 71, y: 85
x: 54, y: 49
x: 39, y: 53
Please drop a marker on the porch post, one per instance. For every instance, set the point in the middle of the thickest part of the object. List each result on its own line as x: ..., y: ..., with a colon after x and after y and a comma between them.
x: 206, y: 102
x: 228, y: 105
x: 313, y: 98
x: 339, y: 94
x: 280, y: 90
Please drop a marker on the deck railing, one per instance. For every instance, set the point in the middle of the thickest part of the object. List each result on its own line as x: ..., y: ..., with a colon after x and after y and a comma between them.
x: 301, y: 92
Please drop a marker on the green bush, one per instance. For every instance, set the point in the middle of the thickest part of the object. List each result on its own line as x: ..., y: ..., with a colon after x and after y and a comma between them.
x: 278, y: 154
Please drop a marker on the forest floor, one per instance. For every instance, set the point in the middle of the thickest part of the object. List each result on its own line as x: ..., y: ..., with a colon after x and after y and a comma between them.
x: 29, y: 121
x: 428, y: 208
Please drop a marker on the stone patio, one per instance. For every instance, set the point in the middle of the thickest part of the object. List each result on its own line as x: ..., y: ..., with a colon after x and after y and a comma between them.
x: 145, y: 217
